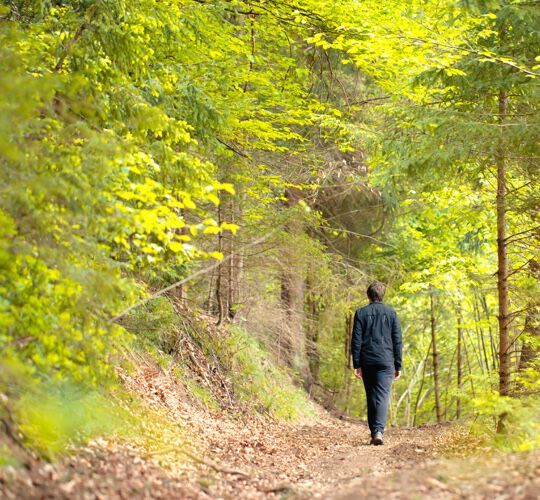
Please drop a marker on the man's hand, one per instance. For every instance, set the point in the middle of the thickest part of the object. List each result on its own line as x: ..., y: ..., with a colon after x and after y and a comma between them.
x: 397, y: 374
x: 358, y: 372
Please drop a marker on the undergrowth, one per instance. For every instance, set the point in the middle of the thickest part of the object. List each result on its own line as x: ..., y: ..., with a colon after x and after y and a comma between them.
x: 260, y: 382
x: 53, y: 417
x: 520, y: 422
x: 257, y: 382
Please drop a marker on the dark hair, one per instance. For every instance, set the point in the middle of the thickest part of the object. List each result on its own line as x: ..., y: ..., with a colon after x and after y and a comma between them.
x: 375, y: 292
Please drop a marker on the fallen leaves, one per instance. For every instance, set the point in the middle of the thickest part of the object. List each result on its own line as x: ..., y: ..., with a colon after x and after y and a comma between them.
x: 186, y: 450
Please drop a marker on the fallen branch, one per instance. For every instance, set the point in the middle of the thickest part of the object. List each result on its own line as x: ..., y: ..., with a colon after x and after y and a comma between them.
x: 214, y: 466
x: 202, y: 461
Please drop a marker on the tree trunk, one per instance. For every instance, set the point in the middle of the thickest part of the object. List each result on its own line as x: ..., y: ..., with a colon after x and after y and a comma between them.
x: 312, y: 333
x: 417, y: 401
x: 502, y: 259
x: 468, y: 359
x: 448, y: 384
x: 459, y: 360
x: 480, y: 333
x: 530, y: 348
x: 227, y: 281
x: 348, y: 338
x: 435, y: 357
x: 221, y: 296
x: 232, y: 267
x: 491, y: 339
x: 293, y: 341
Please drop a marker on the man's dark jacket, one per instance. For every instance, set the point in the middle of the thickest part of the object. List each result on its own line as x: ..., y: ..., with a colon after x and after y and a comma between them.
x: 376, y: 337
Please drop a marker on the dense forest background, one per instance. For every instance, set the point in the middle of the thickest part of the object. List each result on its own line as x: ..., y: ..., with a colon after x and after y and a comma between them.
x: 260, y: 163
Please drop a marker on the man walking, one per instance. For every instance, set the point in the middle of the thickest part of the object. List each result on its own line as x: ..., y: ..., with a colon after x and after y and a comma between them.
x: 376, y: 352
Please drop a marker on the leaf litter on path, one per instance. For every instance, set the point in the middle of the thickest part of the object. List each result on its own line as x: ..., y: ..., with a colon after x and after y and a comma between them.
x: 234, y: 454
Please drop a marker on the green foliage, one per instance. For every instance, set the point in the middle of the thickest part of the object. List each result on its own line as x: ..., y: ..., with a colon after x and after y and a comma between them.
x: 45, y: 321
x: 115, y: 117
x: 55, y: 416
x: 520, y: 418
x: 153, y: 323
x: 137, y: 138
x: 260, y: 382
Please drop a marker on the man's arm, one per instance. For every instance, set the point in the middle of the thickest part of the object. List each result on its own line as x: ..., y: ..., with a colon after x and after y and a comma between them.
x: 397, y: 343
x: 356, y: 341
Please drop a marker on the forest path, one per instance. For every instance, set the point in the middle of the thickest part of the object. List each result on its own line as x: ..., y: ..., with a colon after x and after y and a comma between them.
x: 350, y: 467
x: 355, y: 466
x: 330, y: 459
x: 247, y: 456
x: 410, y: 465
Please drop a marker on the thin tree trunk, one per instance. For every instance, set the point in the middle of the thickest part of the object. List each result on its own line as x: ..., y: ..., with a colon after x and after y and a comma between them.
x: 312, y: 333
x: 448, y: 384
x: 459, y: 360
x: 473, y: 392
x: 491, y: 339
x: 180, y: 291
x: 421, y: 385
x: 227, y: 288
x: 502, y: 259
x: 480, y: 336
x: 412, y: 382
x: 348, y: 337
x: 220, y: 296
x: 232, y: 295
x: 479, y: 344
x: 435, y: 357
x: 293, y: 343
x: 477, y: 353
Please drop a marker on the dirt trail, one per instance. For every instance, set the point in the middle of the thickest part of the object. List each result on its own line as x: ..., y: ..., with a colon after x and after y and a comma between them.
x: 262, y: 459
x: 323, y: 459
x: 256, y: 458
x: 354, y: 463
x: 239, y: 455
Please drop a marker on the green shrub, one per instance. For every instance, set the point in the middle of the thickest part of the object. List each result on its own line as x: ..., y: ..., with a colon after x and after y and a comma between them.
x: 53, y: 415
x: 521, y: 420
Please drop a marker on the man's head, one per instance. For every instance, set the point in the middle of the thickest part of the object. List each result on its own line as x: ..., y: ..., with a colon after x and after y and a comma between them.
x: 375, y: 292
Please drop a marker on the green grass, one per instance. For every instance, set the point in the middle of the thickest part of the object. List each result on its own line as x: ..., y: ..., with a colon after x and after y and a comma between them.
x: 201, y: 394
x: 259, y: 382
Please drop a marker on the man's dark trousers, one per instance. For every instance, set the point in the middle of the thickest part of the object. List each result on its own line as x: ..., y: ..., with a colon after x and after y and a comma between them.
x: 377, y: 382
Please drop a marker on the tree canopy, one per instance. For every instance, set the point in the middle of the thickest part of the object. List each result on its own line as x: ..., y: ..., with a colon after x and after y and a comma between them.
x: 263, y: 161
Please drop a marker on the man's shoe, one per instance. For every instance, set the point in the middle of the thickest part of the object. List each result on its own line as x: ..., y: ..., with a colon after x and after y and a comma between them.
x: 377, y: 439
